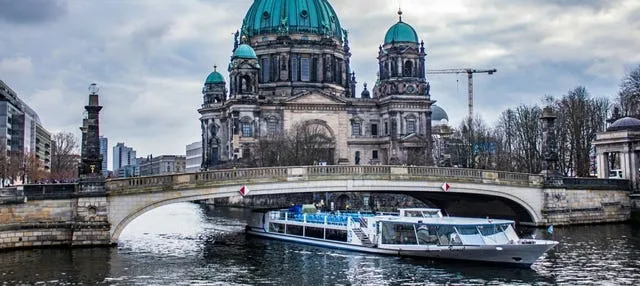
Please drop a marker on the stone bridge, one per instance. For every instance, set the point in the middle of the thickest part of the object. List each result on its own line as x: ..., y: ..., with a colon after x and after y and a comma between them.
x: 40, y: 217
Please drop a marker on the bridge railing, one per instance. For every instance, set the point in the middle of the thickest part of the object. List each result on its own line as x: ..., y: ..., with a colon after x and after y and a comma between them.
x: 347, y: 170
x: 242, y: 176
x: 234, y: 174
x: 445, y: 172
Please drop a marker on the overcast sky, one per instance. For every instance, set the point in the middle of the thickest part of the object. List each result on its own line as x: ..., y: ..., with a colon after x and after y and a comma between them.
x: 150, y: 58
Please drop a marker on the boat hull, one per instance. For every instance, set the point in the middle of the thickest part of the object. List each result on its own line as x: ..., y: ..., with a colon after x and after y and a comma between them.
x: 518, y: 255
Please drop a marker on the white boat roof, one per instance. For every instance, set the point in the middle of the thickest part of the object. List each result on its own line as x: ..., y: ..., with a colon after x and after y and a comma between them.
x: 445, y: 220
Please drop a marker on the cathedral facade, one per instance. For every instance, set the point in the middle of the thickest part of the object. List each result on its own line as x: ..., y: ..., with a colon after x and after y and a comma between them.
x: 291, y: 67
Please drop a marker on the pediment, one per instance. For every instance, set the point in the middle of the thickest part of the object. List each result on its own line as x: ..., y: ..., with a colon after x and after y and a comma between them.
x: 413, y: 137
x: 315, y: 97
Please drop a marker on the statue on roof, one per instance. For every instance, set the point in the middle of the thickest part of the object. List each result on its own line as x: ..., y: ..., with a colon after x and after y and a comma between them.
x: 235, y: 40
x: 284, y: 26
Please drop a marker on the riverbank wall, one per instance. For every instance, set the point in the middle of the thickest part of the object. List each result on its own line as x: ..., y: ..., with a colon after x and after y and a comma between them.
x: 39, y: 217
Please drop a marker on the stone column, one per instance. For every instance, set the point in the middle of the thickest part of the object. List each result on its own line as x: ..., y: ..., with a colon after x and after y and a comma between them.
x: 603, y: 165
x: 630, y: 168
x: 625, y: 164
x: 633, y: 167
x: 549, y: 145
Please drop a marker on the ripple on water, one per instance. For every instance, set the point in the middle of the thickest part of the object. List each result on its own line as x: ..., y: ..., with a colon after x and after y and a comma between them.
x: 185, y: 244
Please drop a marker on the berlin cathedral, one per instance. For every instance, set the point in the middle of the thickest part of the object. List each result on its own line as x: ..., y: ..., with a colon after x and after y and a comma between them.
x: 291, y: 67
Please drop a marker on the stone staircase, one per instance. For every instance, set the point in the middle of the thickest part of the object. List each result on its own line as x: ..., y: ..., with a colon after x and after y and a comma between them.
x: 366, y: 242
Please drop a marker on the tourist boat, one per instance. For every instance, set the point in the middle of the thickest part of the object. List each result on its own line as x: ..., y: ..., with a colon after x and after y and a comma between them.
x: 415, y: 232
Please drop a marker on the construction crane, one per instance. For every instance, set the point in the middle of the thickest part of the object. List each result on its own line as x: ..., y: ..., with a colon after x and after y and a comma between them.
x: 469, y: 73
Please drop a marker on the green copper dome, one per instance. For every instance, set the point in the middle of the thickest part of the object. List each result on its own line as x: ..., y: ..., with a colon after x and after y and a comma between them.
x: 214, y: 77
x: 401, y: 32
x: 291, y: 16
x: 245, y: 51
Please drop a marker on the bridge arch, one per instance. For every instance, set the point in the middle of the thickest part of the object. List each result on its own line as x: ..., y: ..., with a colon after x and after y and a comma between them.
x: 126, y: 207
x: 119, y: 224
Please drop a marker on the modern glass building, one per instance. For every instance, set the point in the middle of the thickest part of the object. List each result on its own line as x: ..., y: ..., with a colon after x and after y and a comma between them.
x: 104, y: 151
x: 194, y: 157
x: 124, y: 161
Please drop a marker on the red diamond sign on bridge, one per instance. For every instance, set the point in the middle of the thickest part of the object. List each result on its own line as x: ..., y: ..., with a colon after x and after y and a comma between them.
x: 445, y: 187
x: 244, y: 191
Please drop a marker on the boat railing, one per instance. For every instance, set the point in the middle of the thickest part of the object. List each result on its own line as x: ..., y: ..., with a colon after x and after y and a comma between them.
x: 340, y: 219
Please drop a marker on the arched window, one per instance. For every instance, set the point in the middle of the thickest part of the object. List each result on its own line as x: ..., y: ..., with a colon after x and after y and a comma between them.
x: 272, y: 125
x: 394, y: 68
x: 356, y: 127
x: 408, y: 69
x: 305, y: 69
x: 246, y: 86
x: 246, y: 127
x: 412, y: 126
x: 266, y: 69
x: 385, y: 72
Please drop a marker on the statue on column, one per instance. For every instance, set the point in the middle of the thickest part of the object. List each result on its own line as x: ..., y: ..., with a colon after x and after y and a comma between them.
x: 204, y: 165
x: 235, y: 40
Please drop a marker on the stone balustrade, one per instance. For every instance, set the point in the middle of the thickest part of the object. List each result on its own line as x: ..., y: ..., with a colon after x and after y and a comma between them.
x: 241, y: 176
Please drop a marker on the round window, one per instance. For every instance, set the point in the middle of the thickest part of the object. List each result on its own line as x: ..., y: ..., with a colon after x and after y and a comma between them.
x: 265, y: 15
x: 304, y: 14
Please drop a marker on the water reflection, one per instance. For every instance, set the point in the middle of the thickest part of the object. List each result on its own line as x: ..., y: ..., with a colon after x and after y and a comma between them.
x: 185, y: 244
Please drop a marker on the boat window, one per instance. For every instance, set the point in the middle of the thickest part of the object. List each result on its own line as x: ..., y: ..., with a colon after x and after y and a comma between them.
x: 276, y: 227
x: 493, y: 234
x: 489, y: 229
x: 447, y: 235
x: 469, y: 235
x: 337, y: 234
x: 314, y: 232
x: 398, y: 233
x: 427, y: 234
x: 294, y: 229
x: 510, y: 232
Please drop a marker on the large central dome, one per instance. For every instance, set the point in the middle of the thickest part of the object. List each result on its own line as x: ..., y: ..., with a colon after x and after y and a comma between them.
x: 292, y: 16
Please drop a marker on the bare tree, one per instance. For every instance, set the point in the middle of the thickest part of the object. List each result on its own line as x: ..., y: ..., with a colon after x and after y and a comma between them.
x: 629, y: 94
x: 15, y: 166
x: 64, y: 153
x: 307, y: 143
x: 475, y: 146
x: 34, y: 168
x: 579, y: 119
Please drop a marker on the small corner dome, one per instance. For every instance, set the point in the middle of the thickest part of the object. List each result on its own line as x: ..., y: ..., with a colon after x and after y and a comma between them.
x: 625, y: 123
x: 438, y: 114
x: 245, y: 51
x: 214, y: 78
x: 401, y: 32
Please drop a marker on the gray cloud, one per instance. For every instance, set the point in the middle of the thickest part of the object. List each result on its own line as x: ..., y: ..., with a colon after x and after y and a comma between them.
x: 151, y: 60
x: 31, y: 11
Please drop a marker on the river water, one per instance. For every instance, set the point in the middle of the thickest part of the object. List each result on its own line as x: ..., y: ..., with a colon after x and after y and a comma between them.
x: 174, y: 245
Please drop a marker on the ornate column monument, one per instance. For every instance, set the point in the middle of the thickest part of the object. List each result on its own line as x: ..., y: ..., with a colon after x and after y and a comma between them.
x: 549, y: 145
x: 90, y: 177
